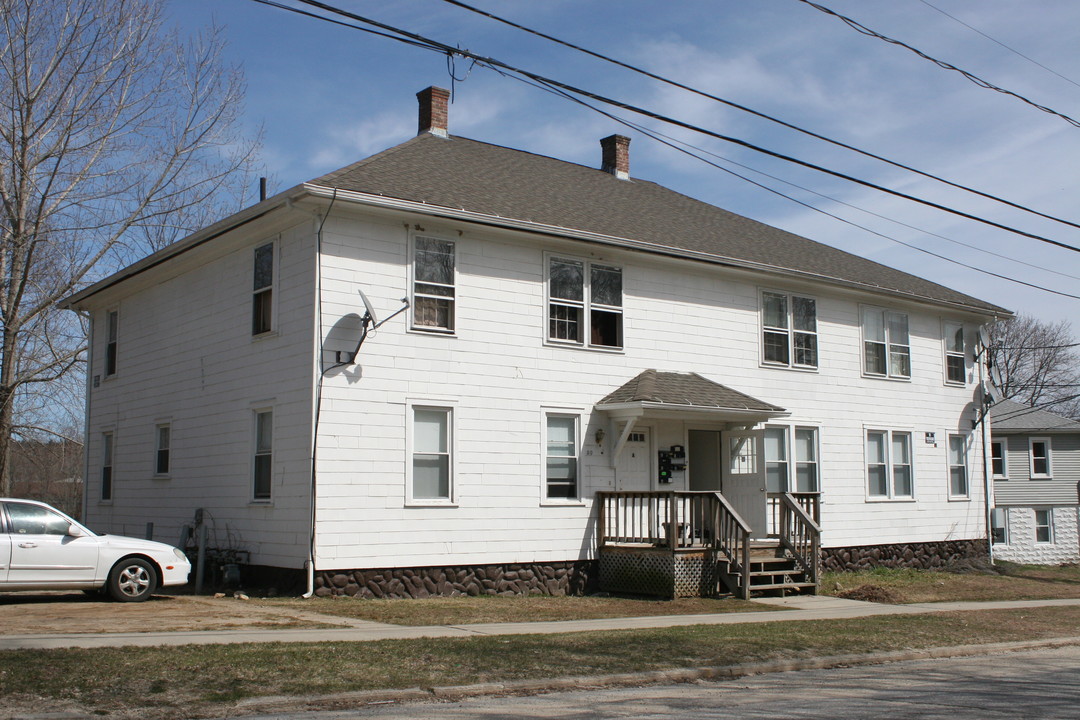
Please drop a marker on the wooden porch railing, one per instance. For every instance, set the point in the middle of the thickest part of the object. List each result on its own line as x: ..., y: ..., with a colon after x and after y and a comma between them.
x: 677, y: 521
x: 809, y: 501
x: 800, y: 534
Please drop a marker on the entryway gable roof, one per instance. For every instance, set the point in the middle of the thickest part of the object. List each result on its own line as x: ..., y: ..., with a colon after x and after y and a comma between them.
x: 690, y: 391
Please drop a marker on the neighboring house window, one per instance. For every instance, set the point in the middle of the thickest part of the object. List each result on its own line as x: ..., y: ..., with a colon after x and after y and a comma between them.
x: 999, y: 526
x: 1044, y: 526
x: 585, y: 303
x: 262, y: 302
x: 955, y: 359
x: 888, y: 464
x: 263, y: 462
x: 781, y: 465
x: 958, y: 474
x: 113, y: 329
x: 998, y: 460
x: 886, y: 345
x: 432, y: 466
x: 433, y: 284
x: 789, y: 330
x: 161, y: 451
x: 106, y: 466
x: 561, y: 442
x: 1039, y: 452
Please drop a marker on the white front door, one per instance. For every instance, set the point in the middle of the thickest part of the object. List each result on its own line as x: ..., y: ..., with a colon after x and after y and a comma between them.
x: 633, y: 471
x: 744, y: 477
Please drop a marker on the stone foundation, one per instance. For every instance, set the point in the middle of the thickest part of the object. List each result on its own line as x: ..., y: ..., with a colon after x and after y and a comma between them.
x: 911, y: 555
x: 560, y: 578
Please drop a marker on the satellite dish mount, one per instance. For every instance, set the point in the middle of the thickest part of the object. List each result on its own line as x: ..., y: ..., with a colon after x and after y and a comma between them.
x: 370, y: 322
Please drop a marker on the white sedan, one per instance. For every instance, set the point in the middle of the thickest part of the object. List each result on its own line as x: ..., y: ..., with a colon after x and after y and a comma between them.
x: 43, y: 549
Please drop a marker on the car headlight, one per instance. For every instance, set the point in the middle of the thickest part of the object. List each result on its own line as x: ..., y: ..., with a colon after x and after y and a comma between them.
x: 179, y: 554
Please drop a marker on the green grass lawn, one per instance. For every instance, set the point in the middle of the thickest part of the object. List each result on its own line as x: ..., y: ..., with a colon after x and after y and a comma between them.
x: 205, y: 681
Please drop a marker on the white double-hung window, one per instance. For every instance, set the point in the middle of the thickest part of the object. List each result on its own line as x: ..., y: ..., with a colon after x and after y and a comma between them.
x: 958, y: 472
x: 561, y: 456
x: 1039, y: 454
x: 789, y: 330
x: 432, y: 454
x: 791, y: 459
x: 888, y: 465
x: 886, y: 343
x: 585, y: 303
x: 955, y: 357
x: 434, y: 291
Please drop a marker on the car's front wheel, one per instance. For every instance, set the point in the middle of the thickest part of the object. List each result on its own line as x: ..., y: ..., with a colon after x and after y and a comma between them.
x: 132, y: 580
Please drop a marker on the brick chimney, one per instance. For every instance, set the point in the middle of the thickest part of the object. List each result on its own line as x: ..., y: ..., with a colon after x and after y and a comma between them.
x: 433, y: 111
x: 616, y: 158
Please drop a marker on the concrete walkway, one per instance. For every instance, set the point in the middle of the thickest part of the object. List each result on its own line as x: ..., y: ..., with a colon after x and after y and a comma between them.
x: 793, y: 608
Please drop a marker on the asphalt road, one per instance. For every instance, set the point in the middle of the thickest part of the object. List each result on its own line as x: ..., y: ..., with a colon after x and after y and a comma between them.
x: 1030, y: 684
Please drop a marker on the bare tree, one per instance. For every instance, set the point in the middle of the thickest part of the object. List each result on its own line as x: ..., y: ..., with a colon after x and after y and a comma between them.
x: 116, y: 138
x: 1037, y: 364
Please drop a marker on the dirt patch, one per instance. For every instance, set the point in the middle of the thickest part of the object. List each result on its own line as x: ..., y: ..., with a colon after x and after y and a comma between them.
x: 872, y: 593
x: 76, y: 612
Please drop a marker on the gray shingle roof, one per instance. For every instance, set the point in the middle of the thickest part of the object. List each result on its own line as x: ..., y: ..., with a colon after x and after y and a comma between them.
x: 685, y: 389
x: 463, y: 174
x: 1007, y: 416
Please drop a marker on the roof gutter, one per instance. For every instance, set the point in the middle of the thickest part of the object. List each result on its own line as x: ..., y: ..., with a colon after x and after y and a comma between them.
x: 528, y: 226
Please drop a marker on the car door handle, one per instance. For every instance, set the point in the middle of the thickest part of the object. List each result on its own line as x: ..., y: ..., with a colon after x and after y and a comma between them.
x: 28, y: 544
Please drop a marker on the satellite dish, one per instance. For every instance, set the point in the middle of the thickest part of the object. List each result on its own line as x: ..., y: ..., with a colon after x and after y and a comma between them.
x: 367, y: 306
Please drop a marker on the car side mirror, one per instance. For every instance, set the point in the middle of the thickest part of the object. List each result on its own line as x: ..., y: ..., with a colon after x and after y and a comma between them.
x: 75, y: 531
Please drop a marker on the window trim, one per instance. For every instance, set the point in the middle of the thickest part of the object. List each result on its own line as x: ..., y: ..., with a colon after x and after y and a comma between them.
x: 947, y: 353
x: 453, y: 298
x: 586, y: 305
x: 256, y: 498
x: 271, y: 289
x: 950, y: 437
x: 889, y: 373
x: 789, y: 332
x: 450, y: 408
x: 1049, y: 525
x: 107, y: 477
x: 576, y: 415
x: 112, y: 337
x: 890, y: 466
x: 792, y: 462
x: 158, y: 449
x: 1049, y: 474
x: 1004, y: 459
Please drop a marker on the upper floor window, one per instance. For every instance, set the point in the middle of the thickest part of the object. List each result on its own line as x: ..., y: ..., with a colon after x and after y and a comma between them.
x: 585, y: 303
x: 791, y: 459
x: 112, y: 331
x: 106, y: 466
x: 561, y: 443
x: 262, y: 463
x: 955, y: 362
x: 888, y: 464
x: 886, y: 345
x: 161, y: 450
x: 1039, y: 452
x: 433, y: 284
x: 998, y: 460
x: 789, y: 330
x: 262, y: 301
x: 432, y: 453
x: 958, y: 474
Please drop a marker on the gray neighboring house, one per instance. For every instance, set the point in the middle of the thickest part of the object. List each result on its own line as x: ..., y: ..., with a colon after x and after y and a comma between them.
x: 1036, y: 466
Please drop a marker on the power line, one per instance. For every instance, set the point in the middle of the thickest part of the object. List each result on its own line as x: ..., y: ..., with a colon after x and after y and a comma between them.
x: 764, y: 116
x: 496, y: 64
x: 995, y: 40
x: 855, y: 25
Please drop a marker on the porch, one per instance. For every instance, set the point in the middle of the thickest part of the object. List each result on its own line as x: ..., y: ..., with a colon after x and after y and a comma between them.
x: 694, y: 543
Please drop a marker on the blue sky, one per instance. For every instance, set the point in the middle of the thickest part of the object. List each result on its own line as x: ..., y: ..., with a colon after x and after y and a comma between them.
x: 326, y: 96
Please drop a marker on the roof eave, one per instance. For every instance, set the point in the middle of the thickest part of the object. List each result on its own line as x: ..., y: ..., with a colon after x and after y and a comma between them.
x: 386, y: 202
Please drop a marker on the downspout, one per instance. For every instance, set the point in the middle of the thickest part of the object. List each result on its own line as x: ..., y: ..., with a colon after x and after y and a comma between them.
x: 984, y: 421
